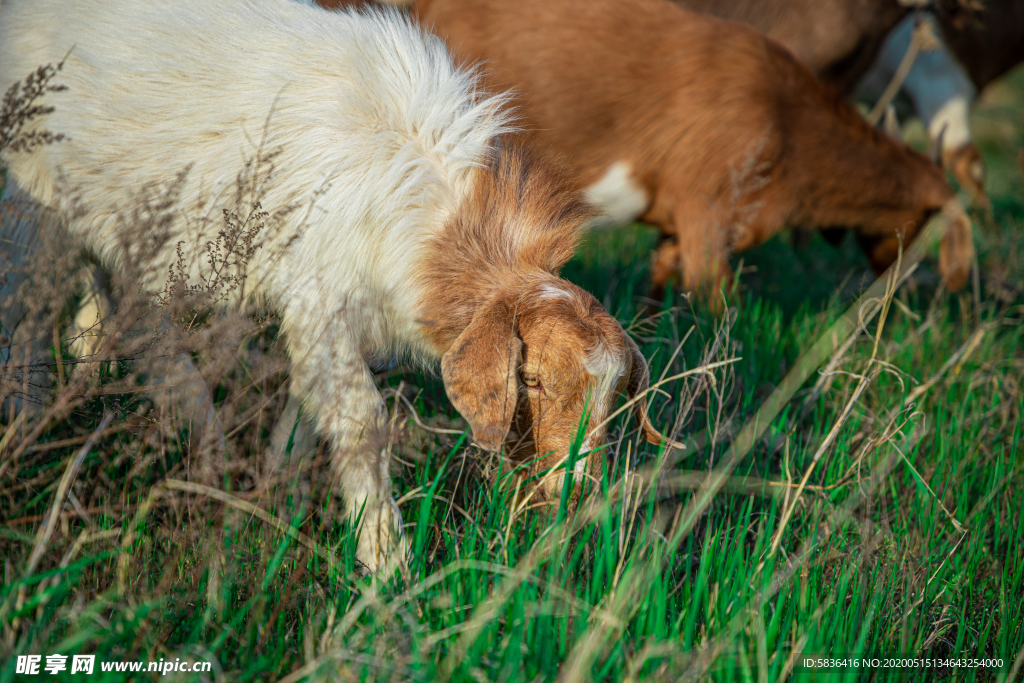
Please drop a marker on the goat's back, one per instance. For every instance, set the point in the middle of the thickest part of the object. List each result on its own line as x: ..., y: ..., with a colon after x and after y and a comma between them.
x: 352, y: 123
x: 678, y: 95
x: 837, y: 39
x: 592, y: 77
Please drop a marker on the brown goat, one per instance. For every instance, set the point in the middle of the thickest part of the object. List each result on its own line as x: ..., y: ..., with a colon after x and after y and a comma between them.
x: 699, y: 126
x: 839, y: 40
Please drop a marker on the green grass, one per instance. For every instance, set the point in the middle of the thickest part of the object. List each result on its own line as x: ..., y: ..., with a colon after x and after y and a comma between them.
x: 907, y: 539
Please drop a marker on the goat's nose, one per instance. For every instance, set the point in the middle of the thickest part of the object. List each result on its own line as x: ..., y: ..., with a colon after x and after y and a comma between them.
x: 554, y: 481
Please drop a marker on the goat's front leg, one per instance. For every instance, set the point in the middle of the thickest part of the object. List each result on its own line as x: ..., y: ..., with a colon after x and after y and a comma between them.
x: 337, y: 389
x: 295, y: 427
x: 698, y: 255
x: 86, y: 330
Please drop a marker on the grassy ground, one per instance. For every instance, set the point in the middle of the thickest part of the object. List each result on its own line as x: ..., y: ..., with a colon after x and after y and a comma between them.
x: 878, y: 515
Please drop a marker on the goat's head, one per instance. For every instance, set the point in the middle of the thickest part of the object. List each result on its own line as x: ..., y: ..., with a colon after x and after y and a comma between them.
x: 539, y: 367
x: 956, y: 249
x: 852, y: 176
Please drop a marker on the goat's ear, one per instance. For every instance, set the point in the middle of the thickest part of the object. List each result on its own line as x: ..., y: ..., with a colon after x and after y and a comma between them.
x: 956, y: 250
x: 481, y: 373
x: 639, y: 382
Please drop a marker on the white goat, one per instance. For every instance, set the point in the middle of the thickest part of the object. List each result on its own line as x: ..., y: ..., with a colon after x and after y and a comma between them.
x: 399, y: 221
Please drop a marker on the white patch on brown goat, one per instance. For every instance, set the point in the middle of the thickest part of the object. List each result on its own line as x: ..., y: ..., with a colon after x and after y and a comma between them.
x: 606, y: 367
x: 618, y: 196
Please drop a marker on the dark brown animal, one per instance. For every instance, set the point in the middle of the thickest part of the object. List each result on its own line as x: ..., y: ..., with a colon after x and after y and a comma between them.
x: 700, y: 126
x: 839, y: 39
x: 986, y: 37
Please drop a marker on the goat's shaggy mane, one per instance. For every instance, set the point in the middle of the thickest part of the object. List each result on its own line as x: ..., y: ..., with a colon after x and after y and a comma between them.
x: 522, y: 219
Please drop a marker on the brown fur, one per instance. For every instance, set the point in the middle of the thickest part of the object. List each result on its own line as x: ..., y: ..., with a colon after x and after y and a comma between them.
x: 515, y: 338
x: 840, y: 39
x: 968, y: 167
x: 729, y: 135
x: 836, y: 39
x: 522, y: 220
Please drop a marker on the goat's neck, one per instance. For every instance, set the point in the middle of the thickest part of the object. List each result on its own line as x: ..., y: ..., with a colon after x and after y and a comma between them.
x: 512, y: 231
x: 455, y: 294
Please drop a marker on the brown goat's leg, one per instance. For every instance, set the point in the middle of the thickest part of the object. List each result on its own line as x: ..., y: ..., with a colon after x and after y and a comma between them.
x: 697, y: 260
x: 880, y: 250
x: 967, y: 166
x: 703, y: 260
x: 664, y: 266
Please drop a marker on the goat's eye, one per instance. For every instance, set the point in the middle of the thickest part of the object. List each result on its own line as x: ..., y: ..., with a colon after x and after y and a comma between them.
x: 532, y: 381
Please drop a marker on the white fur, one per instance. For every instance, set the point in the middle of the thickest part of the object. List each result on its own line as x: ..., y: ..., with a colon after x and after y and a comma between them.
x: 85, y: 331
x: 606, y: 368
x: 619, y: 197
x: 953, y: 121
x: 580, y: 466
x: 373, y: 134
x: 553, y: 292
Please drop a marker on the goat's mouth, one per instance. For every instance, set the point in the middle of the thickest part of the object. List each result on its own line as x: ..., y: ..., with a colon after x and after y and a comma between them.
x: 579, y: 479
x: 554, y: 472
x: 520, y: 446
x: 544, y: 470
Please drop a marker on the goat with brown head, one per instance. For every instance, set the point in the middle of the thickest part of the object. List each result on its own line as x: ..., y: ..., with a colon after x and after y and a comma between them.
x: 528, y: 358
x: 416, y: 229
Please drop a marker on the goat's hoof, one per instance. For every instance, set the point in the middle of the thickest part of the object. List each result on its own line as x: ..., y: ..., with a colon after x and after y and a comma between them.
x: 968, y: 167
x: 382, y: 543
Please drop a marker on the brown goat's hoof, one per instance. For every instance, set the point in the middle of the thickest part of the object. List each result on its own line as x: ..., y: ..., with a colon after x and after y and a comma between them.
x: 834, y: 236
x: 967, y: 166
